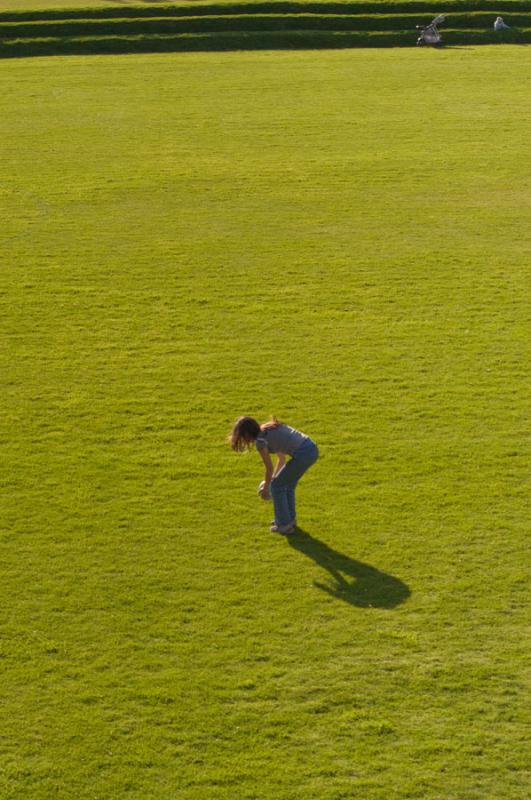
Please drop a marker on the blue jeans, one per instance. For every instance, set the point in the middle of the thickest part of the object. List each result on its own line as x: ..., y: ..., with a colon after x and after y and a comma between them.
x: 283, y: 485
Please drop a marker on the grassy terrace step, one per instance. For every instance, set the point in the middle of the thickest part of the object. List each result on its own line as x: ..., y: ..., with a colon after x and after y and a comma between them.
x: 248, y: 22
x: 264, y: 40
x: 253, y: 25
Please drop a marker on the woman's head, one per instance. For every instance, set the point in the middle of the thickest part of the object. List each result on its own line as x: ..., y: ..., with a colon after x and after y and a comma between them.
x: 243, y: 434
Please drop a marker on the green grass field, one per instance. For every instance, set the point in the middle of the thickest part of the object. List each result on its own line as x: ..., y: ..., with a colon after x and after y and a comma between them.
x: 340, y: 238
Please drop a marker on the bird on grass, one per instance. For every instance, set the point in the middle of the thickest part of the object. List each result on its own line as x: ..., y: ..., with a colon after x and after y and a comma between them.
x: 499, y: 25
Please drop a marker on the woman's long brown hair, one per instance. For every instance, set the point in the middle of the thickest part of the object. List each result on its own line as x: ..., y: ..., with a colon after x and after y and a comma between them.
x: 245, y: 431
x: 243, y: 434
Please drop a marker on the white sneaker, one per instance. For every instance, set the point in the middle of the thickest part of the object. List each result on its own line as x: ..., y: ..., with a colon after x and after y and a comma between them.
x: 285, y: 529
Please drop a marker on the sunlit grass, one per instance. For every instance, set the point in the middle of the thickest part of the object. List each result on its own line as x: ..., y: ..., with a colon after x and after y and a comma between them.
x: 338, y: 238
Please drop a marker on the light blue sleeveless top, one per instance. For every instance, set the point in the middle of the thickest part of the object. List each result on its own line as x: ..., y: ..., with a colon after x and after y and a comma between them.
x: 283, y: 439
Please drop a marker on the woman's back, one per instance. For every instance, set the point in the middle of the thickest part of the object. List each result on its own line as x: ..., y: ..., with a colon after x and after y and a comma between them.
x: 280, y: 439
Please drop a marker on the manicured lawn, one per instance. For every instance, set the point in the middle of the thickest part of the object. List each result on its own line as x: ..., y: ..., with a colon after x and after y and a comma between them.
x: 340, y: 238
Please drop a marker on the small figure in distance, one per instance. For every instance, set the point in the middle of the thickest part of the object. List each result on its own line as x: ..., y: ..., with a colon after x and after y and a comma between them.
x: 499, y: 25
x: 279, y: 483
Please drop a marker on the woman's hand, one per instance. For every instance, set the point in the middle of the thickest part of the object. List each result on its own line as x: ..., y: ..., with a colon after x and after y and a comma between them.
x: 263, y: 491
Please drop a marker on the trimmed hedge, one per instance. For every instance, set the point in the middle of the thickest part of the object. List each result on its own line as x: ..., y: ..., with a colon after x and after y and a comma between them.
x: 278, y: 40
x: 260, y: 26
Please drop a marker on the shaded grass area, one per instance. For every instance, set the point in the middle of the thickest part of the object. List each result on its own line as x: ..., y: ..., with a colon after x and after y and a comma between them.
x: 316, y: 235
x: 279, y: 40
x: 248, y: 26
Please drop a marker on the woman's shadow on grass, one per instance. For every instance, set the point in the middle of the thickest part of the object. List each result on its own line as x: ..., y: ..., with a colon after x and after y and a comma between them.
x: 369, y: 587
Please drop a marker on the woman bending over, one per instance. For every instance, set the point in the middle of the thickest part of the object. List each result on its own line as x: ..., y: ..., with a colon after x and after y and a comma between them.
x: 279, y: 481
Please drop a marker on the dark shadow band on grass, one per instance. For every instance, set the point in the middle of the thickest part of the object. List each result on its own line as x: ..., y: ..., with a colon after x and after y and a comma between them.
x: 369, y: 587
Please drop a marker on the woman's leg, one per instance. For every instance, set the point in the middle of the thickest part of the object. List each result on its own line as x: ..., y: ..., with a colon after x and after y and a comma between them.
x: 279, y: 493
x: 282, y: 487
x: 291, y: 503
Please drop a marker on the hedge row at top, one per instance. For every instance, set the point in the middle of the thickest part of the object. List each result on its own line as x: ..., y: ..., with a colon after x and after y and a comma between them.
x: 429, y: 7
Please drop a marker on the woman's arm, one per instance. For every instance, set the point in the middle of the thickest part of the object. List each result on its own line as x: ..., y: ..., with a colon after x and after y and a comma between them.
x: 266, y: 458
x: 281, y: 460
